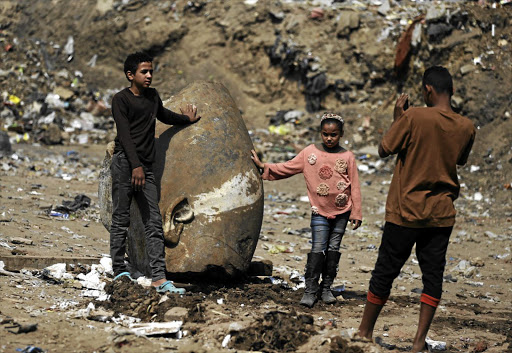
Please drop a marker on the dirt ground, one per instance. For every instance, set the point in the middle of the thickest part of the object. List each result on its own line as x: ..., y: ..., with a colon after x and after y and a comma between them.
x: 231, y: 42
x: 474, y: 309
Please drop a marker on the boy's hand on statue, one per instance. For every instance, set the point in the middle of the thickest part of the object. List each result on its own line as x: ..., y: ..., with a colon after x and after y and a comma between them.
x: 191, y: 111
x: 399, y: 106
x: 356, y: 223
x: 256, y: 160
x: 138, y: 179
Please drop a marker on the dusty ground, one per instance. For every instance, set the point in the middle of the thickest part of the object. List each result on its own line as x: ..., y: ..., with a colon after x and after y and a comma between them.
x: 230, y: 42
x: 474, y: 308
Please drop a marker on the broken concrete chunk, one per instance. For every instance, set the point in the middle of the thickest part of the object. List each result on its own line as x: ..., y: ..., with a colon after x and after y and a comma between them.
x: 176, y: 314
x: 347, y: 21
x: 467, y: 69
x: 24, y: 241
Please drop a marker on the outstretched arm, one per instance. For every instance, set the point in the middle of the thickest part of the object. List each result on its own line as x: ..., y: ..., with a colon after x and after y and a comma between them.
x: 276, y: 171
x: 191, y: 111
x: 188, y: 114
x: 256, y: 160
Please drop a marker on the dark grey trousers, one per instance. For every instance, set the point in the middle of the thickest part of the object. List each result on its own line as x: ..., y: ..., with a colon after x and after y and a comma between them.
x: 147, y: 200
x: 395, y: 249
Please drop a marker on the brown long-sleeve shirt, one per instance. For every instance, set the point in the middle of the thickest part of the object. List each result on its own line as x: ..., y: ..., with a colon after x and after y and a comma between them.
x: 430, y: 143
x: 135, y: 118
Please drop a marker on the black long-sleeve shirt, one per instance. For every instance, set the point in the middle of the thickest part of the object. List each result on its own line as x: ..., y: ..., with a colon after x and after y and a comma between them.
x: 135, y: 118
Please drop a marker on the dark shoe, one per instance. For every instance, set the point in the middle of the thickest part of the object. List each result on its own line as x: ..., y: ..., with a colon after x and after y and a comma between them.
x: 314, y: 268
x: 329, y: 272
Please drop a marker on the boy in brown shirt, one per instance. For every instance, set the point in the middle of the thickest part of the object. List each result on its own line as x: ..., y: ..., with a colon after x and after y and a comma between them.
x: 429, y: 142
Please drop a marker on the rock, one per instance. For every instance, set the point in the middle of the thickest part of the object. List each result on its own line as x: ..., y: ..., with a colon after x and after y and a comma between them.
x: 45, y: 205
x: 52, y: 135
x: 437, y: 31
x: 237, y: 326
x: 470, y: 272
x: 347, y: 21
x: 176, y: 314
x: 365, y: 269
x: 292, y: 25
x: 63, y: 93
x: 277, y: 16
x: 24, y: 241
x: 384, y: 8
x: 435, y: 12
x: 457, y: 101
x: 467, y: 69
x: 490, y: 234
x: 211, y: 193
x: 478, y: 262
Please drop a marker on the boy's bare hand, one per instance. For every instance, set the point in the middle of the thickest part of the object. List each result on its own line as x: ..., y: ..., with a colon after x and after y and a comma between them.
x: 138, y: 179
x: 191, y: 111
x: 356, y: 223
x: 256, y: 160
x: 399, y: 106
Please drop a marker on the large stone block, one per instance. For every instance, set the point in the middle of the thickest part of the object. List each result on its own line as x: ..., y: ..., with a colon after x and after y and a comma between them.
x: 211, y: 194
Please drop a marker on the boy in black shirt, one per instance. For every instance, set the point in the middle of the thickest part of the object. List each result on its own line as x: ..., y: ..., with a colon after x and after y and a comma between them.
x: 135, y: 110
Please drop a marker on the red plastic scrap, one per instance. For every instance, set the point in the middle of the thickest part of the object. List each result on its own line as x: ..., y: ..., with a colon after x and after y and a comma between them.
x: 404, y: 44
x: 8, y: 47
x: 317, y: 13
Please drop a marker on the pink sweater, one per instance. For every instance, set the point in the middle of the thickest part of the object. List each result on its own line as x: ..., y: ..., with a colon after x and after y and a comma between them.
x: 331, y: 179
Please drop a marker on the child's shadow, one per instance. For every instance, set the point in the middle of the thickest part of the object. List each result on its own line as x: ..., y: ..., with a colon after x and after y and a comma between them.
x: 162, y: 143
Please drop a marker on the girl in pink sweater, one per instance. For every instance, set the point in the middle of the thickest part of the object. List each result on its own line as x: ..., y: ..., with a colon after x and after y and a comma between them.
x: 331, y: 177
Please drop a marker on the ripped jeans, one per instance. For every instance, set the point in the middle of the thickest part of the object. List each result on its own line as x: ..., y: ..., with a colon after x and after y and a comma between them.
x: 327, y: 233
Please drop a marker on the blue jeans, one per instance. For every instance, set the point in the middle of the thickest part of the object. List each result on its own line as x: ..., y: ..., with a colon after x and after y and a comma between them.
x: 327, y: 233
x: 147, y: 201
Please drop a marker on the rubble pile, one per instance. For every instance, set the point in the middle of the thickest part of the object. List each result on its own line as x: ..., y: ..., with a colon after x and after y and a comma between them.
x: 45, y: 102
x: 289, y: 61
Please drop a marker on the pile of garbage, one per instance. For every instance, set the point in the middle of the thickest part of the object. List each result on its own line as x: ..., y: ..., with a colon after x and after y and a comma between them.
x: 45, y: 101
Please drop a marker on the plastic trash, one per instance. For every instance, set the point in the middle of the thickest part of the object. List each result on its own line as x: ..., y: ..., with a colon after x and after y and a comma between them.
x: 92, y: 62
x: 276, y: 249
x: 157, y: 328
x: 59, y: 214
x: 279, y: 130
x: 435, y: 345
x: 69, y: 48
x: 30, y: 349
x: 14, y: 99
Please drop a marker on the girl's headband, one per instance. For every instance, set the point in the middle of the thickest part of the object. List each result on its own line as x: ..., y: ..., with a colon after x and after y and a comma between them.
x: 332, y: 116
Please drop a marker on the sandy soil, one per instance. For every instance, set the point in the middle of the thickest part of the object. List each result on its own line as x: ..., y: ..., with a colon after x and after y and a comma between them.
x: 475, y: 309
x: 230, y: 42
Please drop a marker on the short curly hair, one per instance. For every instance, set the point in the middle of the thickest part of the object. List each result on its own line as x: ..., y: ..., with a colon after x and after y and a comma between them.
x: 438, y: 77
x: 133, y: 60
